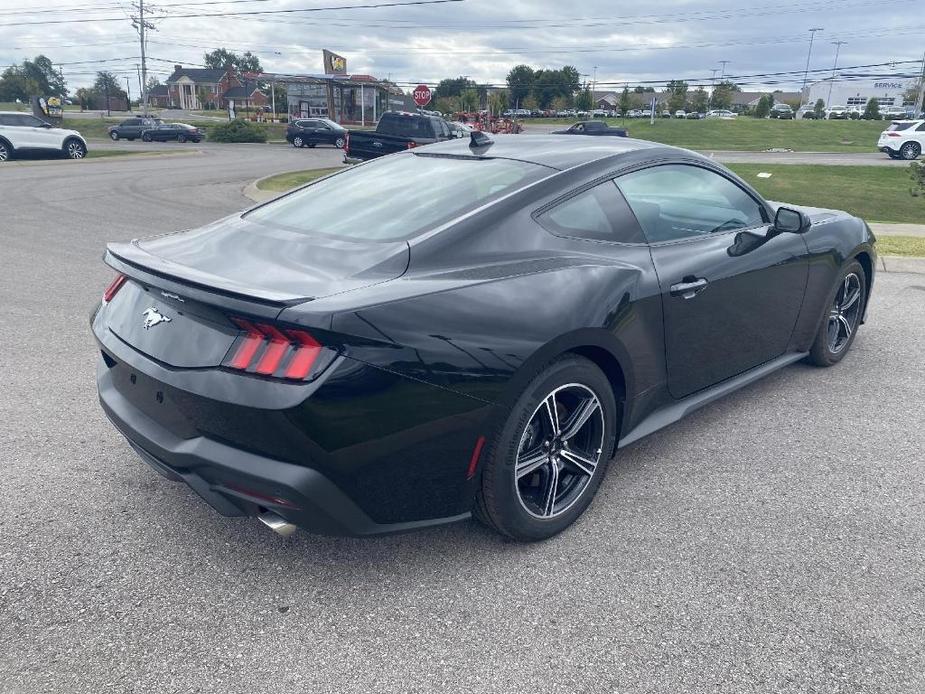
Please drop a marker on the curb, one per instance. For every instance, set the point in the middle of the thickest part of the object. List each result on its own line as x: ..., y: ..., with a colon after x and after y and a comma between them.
x: 253, y: 193
x: 98, y: 160
x: 898, y: 263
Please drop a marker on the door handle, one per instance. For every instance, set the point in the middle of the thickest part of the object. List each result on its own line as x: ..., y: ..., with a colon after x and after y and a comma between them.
x: 689, y: 287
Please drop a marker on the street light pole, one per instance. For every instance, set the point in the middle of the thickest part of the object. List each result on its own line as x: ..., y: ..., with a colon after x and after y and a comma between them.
x: 812, y: 35
x: 838, y: 45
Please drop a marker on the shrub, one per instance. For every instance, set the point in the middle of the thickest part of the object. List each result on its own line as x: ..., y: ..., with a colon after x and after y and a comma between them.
x: 238, y: 131
x: 763, y: 108
x: 917, y: 174
x: 872, y: 110
x: 819, y: 109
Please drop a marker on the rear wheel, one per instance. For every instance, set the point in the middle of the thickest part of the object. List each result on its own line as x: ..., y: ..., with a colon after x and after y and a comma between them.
x: 842, y: 318
x: 547, y: 461
x: 297, y: 141
x: 339, y: 143
x: 910, y: 151
x: 75, y: 149
x: 6, y: 152
x: 181, y: 138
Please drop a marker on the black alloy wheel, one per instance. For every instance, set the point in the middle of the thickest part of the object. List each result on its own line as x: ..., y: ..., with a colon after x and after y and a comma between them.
x: 297, y: 141
x: 843, y: 317
x: 339, y: 143
x: 542, y: 469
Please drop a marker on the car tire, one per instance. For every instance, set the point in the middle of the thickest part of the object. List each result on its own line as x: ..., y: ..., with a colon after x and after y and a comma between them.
x: 181, y: 138
x: 147, y: 138
x: 114, y: 136
x: 844, y: 310
x: 339, y: 143
x: 74, y: 149
x: 6, y: 151
x: 558, y: 475
x: 298, y: 142
x: 910, y: 151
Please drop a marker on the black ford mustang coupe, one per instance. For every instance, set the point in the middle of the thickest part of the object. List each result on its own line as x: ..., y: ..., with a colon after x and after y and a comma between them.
x: 469, y: 327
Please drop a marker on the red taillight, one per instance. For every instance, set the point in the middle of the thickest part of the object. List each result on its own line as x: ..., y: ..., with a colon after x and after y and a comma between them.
x: 893, y: 135
x: 412, y: 144
x: 347, y: 142
x: 114, y: 287
x: 272, y: 351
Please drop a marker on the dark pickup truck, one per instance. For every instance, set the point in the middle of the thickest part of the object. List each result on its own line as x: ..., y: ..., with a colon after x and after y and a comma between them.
x: 592, y: 127
x: 395, y: 132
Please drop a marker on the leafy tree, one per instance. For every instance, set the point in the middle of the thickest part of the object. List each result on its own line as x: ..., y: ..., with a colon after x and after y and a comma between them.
x: 469, y: 100
x: 221, y: 58
x: 911, y: 95
x: 699, y: 100
x: 763, y: 108
x: 447, y: 104
x: 585, y: 100
x: 626, y: 101
x: 14, y: 84
x: 722, y: 95
x: 498, y: 101
x: 643, y: 90
x: 551, y: 84
x: 453, y: 87
x: 677, y: 95
x: 36, y: 77
x: 108, y: 83
x: 819, y: 109
x: 871, y: 110
x: 520, y: 81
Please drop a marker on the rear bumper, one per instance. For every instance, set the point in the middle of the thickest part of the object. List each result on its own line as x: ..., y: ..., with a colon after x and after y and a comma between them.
x: 236, y: 482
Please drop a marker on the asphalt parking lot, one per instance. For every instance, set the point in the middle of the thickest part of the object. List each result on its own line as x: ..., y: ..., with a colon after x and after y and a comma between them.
x: 771, y: 542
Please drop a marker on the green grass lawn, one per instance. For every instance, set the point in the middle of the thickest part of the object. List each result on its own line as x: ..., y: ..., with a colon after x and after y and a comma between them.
x: 876, y: 193
x: 287, y: 181
x: 901, y: 245
x: 752, y: 134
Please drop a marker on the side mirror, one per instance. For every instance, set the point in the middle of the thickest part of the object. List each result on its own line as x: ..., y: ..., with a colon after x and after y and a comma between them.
x: 791, y: 221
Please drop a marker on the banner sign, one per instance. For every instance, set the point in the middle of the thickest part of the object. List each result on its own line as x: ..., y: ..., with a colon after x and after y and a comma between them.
x: 334, y: 64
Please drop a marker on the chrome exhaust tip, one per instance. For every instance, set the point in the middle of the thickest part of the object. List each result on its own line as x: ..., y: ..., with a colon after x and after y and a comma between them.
x: 277, y: 524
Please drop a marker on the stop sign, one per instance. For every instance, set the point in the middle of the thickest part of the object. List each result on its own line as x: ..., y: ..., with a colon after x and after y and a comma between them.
x: 422, y: 95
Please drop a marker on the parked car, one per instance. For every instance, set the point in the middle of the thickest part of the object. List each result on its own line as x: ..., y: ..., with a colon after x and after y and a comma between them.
x: 311, y: 132
x: 904, y: 139
x: 892, y: 112
x: 680, y: 113
x: 836, y: 113
x: 782, y: 111
x: 469, y: 328
x: 665, y: 114
x: 634, y: 113
x: 591, y: 127
x: 22, y: 133
x: 721, y: 113
x: 694, y: 115
x: 131, y: 128
x: 165, y: 132
x: 395, y: 132
x: 458, y: 129
x: 645, y: 113
x: 599, y: 113
x: 806, y: 113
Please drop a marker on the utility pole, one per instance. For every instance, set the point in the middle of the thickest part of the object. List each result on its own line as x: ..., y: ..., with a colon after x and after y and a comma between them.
x: 141, y: 25
x: 838, y: 45
x: 593, y: 85
x: 920, y: 104
x: 809, y: 54
x: 128, y: 94
x: 723, y: 73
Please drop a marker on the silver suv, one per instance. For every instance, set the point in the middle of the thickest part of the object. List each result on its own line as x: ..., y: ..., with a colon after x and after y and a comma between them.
x: 21, y: 132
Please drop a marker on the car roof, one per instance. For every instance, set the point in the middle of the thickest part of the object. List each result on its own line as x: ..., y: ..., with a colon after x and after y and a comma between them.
x: 556, y: 151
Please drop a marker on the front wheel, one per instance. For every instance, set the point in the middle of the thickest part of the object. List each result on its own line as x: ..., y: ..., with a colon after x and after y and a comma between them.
x: 75, y: 149
x: 842, y: 319
x: 910, y: 151
x: 114, y: 136
x: 298, y: 142
x: 146, y: 138
x: 181, y: 138
x: 544, y: 465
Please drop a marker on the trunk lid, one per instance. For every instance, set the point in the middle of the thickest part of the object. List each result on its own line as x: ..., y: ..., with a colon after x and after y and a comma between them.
x: 185, y: 287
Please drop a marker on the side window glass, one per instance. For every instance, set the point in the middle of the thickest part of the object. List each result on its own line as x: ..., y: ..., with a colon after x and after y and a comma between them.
x: 598, y: 213
x: 678, y: 201
x: 921, y: 128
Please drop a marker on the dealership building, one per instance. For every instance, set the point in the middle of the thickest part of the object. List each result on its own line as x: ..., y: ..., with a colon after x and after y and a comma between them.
x: 847, y: 91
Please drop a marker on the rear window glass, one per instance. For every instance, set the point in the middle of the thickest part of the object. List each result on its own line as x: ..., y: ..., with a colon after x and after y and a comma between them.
x: 397, y: 197
x: 895, y: 127
x: 409, y: 126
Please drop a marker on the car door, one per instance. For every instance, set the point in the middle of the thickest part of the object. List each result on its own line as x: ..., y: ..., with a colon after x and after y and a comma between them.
x: 28, y: 135
x: 731, y: 288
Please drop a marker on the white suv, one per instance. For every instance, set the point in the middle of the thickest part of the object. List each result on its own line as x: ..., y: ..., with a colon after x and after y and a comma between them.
x: 21, y: 132
x: 904, y: 139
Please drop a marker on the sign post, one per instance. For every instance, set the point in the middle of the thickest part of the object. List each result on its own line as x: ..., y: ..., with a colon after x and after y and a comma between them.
x: 422, y: 95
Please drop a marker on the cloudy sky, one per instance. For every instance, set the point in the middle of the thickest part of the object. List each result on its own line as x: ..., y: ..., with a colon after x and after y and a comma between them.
x: 483, y: 39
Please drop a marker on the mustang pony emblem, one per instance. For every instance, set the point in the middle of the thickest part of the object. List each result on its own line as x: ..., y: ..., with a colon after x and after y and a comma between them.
x: 153, y: 317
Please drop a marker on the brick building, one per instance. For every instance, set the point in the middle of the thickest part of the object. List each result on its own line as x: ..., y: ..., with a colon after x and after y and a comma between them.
x: 195, y: 89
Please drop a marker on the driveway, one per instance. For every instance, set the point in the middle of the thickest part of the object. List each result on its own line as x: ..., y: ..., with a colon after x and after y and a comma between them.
x: 771, y: 542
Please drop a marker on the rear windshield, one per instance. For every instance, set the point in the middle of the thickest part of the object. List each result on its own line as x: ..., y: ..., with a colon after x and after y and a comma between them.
x: 398, y: 196
x: 407, y: 126
x: 894, y: 127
